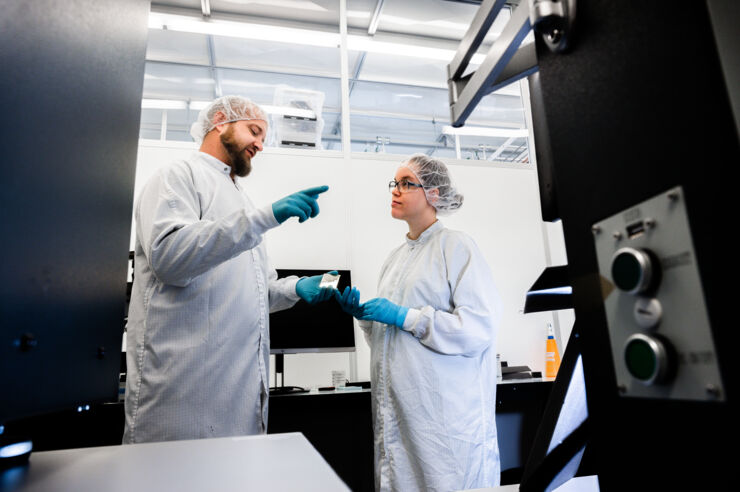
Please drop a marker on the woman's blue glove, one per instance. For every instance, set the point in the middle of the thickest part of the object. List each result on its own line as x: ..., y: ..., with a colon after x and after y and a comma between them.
x: 349, y: 300
x: 384, y: 311
x: 308, y: 289
x: 302, y: 205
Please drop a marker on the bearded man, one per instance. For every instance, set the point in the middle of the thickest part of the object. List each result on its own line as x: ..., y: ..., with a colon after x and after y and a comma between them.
x: 197, y: 348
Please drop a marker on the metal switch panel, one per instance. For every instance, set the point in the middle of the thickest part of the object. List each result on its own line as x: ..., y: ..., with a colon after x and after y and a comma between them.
x: 659, y: 330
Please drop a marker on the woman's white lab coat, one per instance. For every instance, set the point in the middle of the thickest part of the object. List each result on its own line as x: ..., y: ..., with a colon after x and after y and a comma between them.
x: 434, y: 381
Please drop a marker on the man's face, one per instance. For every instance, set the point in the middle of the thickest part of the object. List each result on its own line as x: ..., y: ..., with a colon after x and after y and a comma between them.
x: 242, y: 140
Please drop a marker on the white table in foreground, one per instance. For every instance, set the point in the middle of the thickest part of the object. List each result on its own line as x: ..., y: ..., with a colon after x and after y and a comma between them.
x: 576, y: 484
x: 275, y: 462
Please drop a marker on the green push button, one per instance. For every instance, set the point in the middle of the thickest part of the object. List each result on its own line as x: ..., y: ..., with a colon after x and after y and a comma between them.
x: 626, y: 271
x: 641, y: 360
x: 633, y: 270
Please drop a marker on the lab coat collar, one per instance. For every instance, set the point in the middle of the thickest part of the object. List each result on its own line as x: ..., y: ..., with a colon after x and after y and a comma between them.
x: 426, y: 234
x: 220, y: 167
x: 216, y: 164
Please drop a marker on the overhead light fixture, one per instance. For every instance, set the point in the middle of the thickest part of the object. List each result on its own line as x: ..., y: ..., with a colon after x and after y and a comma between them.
x: 217, y: 27
x: 371, y: 45
x: 281, y: 34
x: 198, y: 105
x: 485, y: 132
x: 205, y: 7
x: 163, y: 104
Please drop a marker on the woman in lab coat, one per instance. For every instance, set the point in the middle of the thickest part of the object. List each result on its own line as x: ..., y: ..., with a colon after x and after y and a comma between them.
x: 432, y: 333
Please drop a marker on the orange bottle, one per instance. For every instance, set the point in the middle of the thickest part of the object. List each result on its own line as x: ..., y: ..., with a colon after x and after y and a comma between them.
x: 552, y: 356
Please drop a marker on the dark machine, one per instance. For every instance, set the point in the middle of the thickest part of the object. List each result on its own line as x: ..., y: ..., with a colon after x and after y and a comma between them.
x: 635, y: 117
x: 71, y: 83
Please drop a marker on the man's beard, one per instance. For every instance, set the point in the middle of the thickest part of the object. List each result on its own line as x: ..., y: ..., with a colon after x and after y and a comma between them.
x: 241, y: 163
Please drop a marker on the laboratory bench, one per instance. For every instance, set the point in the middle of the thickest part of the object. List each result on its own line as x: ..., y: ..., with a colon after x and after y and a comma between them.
x: 271, y: 462
x: 337, y: 423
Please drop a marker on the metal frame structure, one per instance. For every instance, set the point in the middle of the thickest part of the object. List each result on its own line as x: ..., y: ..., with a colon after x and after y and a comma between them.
x: 509, y: 151
x: 507, y: 60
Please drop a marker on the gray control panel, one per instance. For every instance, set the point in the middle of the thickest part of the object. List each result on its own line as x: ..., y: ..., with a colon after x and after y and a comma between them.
x: 659, y: 330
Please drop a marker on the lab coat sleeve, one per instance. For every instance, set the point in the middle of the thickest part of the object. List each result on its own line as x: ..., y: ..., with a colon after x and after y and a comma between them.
x: 366, y: 327
x: 471, y: 327
x: 177, y: 242
x: 282, y: 291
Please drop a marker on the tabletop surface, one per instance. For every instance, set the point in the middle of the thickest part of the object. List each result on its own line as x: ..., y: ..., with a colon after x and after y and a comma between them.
x: 273, y: 462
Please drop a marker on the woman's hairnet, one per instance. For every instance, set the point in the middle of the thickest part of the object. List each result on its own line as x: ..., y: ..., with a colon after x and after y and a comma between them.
x: 434, y: 175
x: 234, y: 108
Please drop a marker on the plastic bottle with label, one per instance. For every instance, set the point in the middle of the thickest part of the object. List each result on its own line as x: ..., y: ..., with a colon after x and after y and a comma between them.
x: 552, y: 355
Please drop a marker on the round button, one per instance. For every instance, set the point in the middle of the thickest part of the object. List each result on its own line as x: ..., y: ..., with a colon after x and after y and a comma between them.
x: 647, y: 312
x: 632, y: 270
x: 648, y: 359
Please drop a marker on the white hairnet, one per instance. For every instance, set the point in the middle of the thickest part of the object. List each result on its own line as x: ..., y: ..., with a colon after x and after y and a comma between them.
x: 234, y: 108
x: 434, y: 175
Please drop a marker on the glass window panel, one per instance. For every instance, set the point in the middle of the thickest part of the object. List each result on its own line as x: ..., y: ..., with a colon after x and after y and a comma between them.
x: 494, y: 149
x: 260, y: 86
x: 404, y: 70
x: 498, y: 110
x: 401, y: 100
x: 167, y: 81
x: 380, y: 134
x: 331, y: 136
x: 359, y: 13
x: 276, y: 57
x: 178, y: 123
x: 440, y: 18
x: 151, y: 123
x: 179, y: 135
x: 313, y: 11
x: 177, y: 47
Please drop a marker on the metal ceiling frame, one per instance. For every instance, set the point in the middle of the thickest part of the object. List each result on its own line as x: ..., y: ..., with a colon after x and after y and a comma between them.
x: 495, y: 72
x: 507, y: 60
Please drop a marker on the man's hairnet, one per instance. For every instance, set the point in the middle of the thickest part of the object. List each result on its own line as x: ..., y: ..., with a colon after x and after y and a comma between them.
x: 234, y: 108
x: 433, y: 174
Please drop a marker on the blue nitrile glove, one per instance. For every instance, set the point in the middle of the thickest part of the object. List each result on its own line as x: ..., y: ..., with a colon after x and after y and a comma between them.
x: 308, y: 289
x: 302, y: 205
x: 384, y: 311
x: 349, y: 300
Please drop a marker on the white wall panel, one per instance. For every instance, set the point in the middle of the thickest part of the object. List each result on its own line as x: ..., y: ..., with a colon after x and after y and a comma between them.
x: 355, y: 231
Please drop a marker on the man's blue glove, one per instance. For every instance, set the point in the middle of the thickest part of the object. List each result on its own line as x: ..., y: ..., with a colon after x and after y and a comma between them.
x: 302, y: 205
x: 308, y: 289
x: 384, y: 311
x: 349, y: 300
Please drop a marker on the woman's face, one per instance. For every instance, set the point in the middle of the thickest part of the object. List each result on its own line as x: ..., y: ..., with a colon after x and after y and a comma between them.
x: 411, y: 204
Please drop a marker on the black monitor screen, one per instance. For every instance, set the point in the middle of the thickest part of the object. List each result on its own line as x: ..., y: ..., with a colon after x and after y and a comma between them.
x: 323, y: 327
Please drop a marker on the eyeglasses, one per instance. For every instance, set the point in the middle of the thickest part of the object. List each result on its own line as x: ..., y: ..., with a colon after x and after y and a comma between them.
x: 404, y: 186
